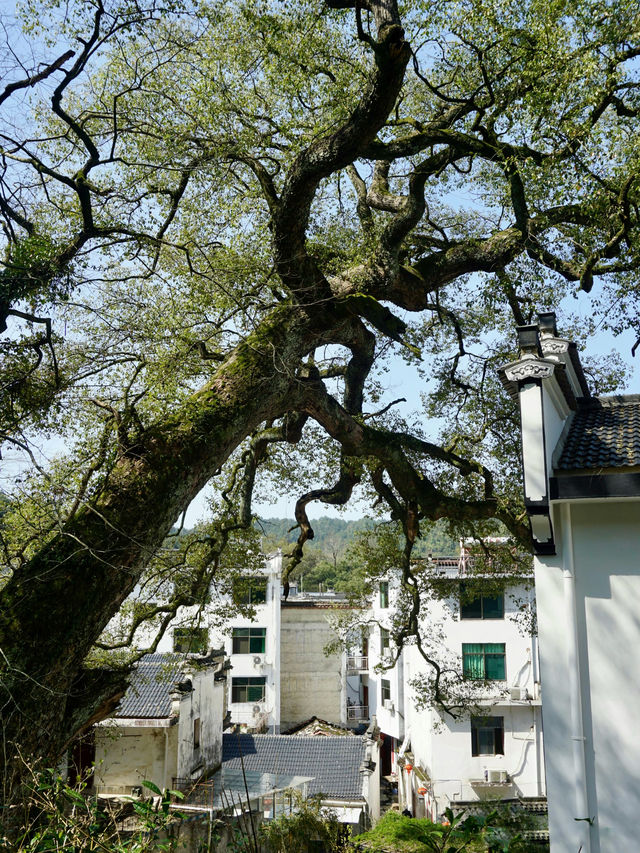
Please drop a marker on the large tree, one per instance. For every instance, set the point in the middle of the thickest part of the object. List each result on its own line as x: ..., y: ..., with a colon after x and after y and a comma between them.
x: 220, y: 220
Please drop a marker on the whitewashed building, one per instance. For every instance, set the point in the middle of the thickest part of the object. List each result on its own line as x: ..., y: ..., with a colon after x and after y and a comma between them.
x: 581, y: 459
x: 168, y: 726
x: 280, y: 675
x: 253, y: 647
x: 496, y: 750
x: 252, y: 644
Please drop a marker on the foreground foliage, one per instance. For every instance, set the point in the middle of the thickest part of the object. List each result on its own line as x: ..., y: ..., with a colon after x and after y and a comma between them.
x: 309, y: 827
x: 494, y: 830
x: 64, y: 818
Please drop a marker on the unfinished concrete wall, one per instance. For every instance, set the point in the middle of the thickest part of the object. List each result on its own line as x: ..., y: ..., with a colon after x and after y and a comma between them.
x: 311, y: 683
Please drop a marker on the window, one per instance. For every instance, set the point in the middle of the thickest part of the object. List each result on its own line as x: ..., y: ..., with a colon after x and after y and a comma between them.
x: 250, y: 590
x: 481, y: 606
x: 247, y: 641
x: 487, y: 735
x: 196, y: 733
x: 385, y: 640
x: 384, y: 593
x: 249, y: 689
x: 483, y: 661
x: 190, y: 640
x: 385, y: 690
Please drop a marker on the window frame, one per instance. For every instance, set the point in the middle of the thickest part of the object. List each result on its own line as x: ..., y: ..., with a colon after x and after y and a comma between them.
x: 243, y: 683
x: 383, y: 589
x: 484, y: 650
x: 385, y: 640
x: 478, y: 600
x: 252, y: 634
x: 483, y: 725
x: 385, y: 690
x: 251, y: 591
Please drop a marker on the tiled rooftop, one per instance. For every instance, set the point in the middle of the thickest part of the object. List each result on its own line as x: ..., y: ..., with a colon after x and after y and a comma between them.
x: 333, y: 762
x: 604, y: 433
x: 148, y: 694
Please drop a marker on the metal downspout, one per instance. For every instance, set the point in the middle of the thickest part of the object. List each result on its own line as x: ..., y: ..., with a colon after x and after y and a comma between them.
x: 575, y: 687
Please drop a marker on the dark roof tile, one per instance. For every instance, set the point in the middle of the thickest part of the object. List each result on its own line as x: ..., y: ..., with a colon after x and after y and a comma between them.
x: 604, y: 433
x: 333, y: 762
x: 150, y: 686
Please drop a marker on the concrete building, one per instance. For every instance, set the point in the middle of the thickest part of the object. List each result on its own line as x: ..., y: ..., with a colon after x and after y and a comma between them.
x: 312, y: 682
x: 253, y: 646
x: 581, y: 459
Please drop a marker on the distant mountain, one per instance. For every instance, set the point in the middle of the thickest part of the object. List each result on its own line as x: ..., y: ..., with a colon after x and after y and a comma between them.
x: 336, y: 534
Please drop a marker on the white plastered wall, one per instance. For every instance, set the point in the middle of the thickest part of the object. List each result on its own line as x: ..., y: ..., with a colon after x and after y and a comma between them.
x: 442, y: 746
x: 127, y: 756
x: 205, y: 703
x: 606, y: 558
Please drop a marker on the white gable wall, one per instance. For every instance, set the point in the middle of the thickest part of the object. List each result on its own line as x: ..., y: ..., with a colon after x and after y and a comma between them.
x: 606, y: 558
x: 205, y: 703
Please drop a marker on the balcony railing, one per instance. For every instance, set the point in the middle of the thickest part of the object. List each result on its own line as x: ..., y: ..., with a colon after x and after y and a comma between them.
x: 357, y: 663
x: 358, y: 712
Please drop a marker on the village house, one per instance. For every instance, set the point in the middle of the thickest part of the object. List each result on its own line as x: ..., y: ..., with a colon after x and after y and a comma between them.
x: 495, y: 750
x: 168, y: 726
x: 341, y: 767
x: 581, y: 460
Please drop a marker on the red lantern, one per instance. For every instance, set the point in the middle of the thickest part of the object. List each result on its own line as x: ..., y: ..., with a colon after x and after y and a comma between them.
x: 422, y: 791
x: 408, y: 767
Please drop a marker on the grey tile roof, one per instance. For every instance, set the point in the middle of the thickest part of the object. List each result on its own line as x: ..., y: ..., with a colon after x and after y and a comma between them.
x: 604, y: 433
x: 333, y: 762
x: 148, y: 694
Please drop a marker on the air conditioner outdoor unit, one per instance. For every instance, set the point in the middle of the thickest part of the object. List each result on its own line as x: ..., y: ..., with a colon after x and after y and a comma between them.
x: 518, y: 694
x: 388, y: 704
x: 499, y: 776
x: 257, y: 661
x: 257, y: 709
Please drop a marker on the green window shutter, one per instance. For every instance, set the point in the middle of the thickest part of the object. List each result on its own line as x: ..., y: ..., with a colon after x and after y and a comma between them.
x: 258, y: 640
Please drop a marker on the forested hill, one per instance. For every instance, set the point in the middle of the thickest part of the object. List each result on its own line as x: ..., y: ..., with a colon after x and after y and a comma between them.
x: 334, y: 535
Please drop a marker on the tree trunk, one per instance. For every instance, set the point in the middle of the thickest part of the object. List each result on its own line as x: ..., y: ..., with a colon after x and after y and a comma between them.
x: 55, y: 607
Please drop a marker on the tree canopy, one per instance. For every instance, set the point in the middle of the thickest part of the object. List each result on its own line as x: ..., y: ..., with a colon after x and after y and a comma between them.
x: 223, y: 222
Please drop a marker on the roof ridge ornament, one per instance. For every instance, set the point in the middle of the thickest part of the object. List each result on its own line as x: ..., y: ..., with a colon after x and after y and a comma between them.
x: 529, y: 368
